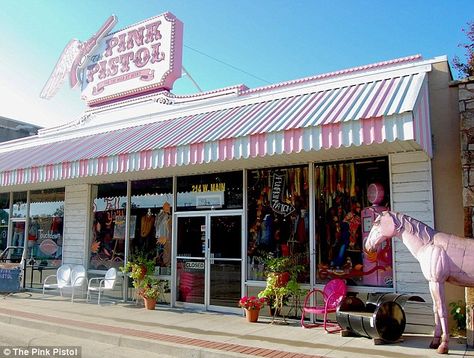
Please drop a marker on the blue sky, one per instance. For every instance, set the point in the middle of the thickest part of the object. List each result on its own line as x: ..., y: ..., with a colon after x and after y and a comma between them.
x: 272, y: 40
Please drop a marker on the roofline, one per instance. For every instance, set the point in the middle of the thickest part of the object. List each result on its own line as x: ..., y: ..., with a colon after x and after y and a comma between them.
x: 335, y: 74
x: 240, y: 93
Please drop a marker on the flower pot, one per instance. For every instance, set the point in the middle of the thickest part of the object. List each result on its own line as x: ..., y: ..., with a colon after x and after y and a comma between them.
x: 150, y: 303
x: 274, y: 311
x: 252, y: 315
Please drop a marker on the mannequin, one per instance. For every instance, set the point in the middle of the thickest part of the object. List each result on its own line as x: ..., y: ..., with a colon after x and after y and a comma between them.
x: 18, y: 234
x: 33, y: 236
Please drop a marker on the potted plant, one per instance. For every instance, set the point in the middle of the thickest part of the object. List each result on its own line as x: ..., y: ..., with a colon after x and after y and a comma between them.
x: 138, y: 268
x: 252, y: 306
x: 150, y: 289
x: 280, y: 267
x: 141, y: 271
x: 281, y: 284
x: 458, y: 312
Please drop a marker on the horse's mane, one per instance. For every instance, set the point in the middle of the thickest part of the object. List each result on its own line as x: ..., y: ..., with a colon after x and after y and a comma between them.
x: 413, y: 226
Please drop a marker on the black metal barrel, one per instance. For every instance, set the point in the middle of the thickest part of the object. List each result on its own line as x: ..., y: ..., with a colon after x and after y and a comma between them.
x: 386, y: 320
x: 400, y: 298
x: 418, y: 313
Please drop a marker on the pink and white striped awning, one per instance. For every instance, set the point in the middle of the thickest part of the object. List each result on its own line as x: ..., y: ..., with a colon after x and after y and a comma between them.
x: 391, y: 109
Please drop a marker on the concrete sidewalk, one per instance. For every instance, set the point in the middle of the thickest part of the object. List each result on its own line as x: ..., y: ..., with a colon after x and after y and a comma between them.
x: 184, y: 333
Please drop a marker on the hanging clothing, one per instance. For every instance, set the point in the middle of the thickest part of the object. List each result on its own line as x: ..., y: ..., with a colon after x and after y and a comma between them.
x: 163, y: 235
x: 33, y: 230
x: 266, y: 230
x: 163, y: 225
x: 301, y: 228
x: 147, y: 223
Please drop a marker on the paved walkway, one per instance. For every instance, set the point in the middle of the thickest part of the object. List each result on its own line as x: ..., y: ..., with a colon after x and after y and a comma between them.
x: 184, y: 333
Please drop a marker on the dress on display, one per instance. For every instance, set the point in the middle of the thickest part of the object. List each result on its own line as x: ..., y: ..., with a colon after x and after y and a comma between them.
x: 163, y: 235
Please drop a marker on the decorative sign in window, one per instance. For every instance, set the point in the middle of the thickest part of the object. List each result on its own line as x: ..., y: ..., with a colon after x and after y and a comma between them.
x: 211, y: 201
x: 278, y: 187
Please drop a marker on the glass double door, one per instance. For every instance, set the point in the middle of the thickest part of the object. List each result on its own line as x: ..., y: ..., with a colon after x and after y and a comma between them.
x: 209, y: 260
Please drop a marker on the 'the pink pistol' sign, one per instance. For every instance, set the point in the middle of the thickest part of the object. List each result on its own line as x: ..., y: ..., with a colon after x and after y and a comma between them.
x: 142, y: 58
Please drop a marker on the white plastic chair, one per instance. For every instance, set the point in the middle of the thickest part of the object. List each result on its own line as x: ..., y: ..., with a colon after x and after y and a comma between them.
x: 101, y: 284
x: 60, y: 280
x: 78, y: 279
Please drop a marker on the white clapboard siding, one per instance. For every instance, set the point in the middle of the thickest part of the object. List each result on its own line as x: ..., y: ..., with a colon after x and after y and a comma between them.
x: 76, y: 211
x: 419, y: 317
x: 411, y: 194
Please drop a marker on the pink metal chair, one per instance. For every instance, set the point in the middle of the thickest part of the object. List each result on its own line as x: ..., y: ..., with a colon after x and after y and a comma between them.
x: 332, y: 294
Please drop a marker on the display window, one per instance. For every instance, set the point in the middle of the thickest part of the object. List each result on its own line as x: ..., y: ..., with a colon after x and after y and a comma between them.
x: 278, y: 219
x: 210, y: 192
x: 18, y: 222
x: 44, y: 235
x: 45, y: 231
x: 348, y: 197
x: 4, y: 217
x: 107, y: 247
x: 151, y: 222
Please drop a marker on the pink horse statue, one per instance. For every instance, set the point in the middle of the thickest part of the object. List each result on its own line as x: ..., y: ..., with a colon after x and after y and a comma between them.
x: 443, y: 257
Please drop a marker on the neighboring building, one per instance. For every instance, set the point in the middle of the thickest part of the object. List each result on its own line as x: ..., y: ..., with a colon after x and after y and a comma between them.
x: 11, y: 129
x: 465, y: 89
x: 210, y: 184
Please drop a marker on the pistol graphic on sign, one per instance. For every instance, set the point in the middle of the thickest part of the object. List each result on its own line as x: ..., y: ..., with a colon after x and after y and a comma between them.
x: 73, y: 58
x: 139, y: 59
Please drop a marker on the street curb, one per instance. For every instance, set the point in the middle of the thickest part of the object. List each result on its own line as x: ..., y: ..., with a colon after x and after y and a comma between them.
x: 118, y: 339
x: 137, y: 339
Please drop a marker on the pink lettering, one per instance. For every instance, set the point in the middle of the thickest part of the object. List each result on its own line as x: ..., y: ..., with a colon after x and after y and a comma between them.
x: 142, y: 56
x: 135, y: 38
x: 152, y: 32
x: 91, y: 71
x: 122, y: 46
x: 113, y: 66
x: 156, y: 55
x: 111, y: 43
x: 103, y: 69
x: 142, y: 75
x: 125, y: 61
x: 126, y: 55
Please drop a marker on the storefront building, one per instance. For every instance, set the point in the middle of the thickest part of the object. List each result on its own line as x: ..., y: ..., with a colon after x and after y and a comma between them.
x: 210, y: 184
